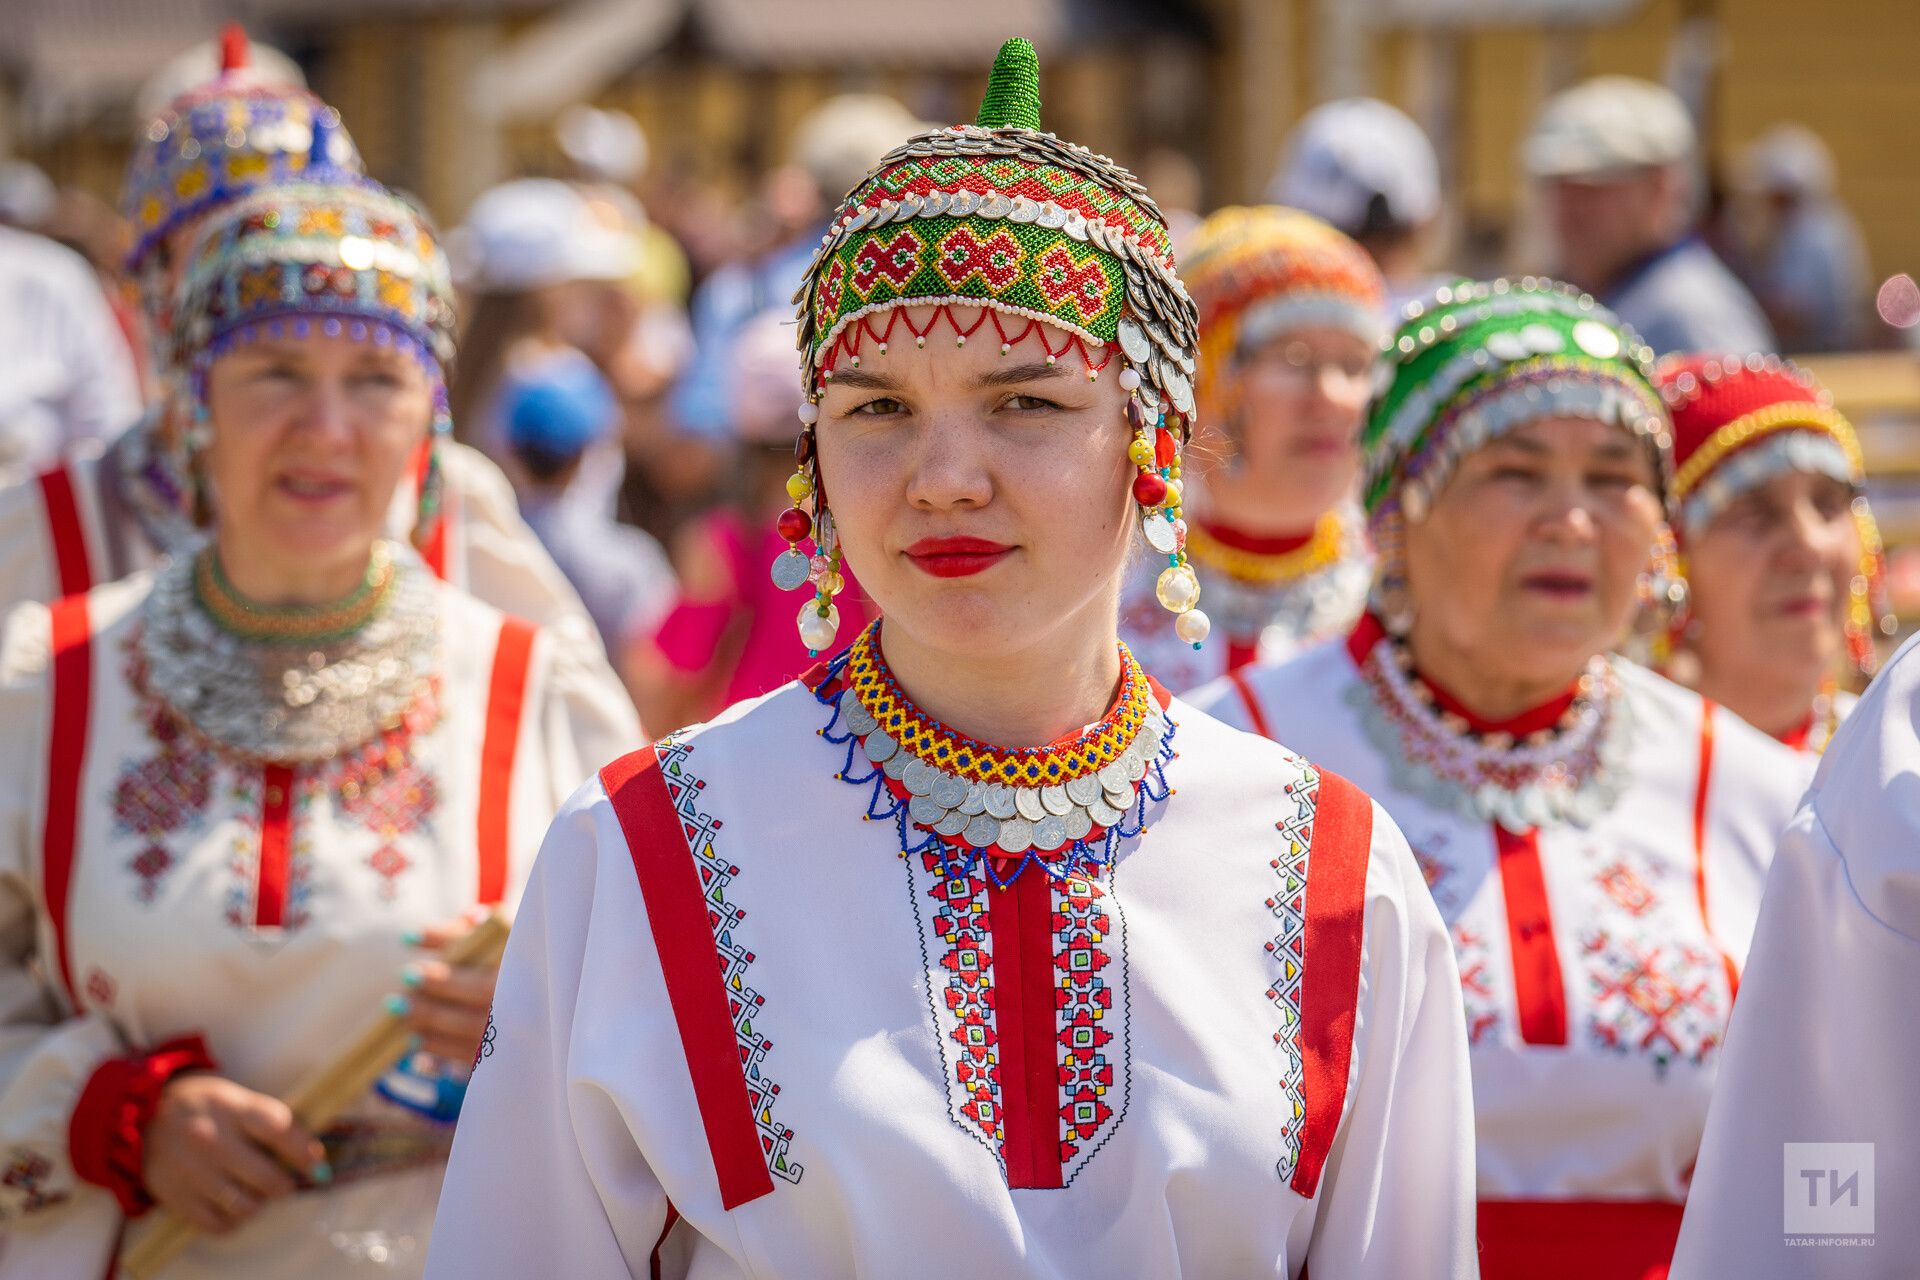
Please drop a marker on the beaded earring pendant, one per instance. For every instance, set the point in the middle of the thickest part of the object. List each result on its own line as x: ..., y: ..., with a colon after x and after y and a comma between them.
x: 1155, y: 453
x: 819, y: 618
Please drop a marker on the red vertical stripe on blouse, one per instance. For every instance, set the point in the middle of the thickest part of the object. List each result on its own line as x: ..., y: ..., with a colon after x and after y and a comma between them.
x: 1019, y: 919
x: 690, y: 967
x: 1330, y: 981
x: 73, y: 567
x: 276, y: 846
x: 67, y: 723
x: 1701, y: 784
x: 1538, y: 987
x: 506, y: 702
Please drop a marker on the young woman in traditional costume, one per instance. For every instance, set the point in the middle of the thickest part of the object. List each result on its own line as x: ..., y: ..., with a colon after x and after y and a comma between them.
x: 973, y: 952
x: 1594, y: 835
x: 1787, y: 583
x: 232, y: 786
x: 1292, y: 314
x: 97, y: 516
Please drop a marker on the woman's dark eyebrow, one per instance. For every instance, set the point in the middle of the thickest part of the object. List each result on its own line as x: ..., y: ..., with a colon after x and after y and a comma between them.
x: 1033, y: 371
x: 864, y: 379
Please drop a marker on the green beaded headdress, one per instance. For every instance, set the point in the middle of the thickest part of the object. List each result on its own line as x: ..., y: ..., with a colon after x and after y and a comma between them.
x: 1478, y: 360
x: 1002, y: 216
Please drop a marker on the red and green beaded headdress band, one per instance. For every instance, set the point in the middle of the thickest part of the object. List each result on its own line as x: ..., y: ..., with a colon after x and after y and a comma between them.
x: 998, y: 215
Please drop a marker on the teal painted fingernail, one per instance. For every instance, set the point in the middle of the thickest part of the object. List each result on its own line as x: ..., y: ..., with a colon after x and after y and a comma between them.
x: 411, y: 937
x: 322, y: 1173
x: 399, y: 1005
x: 411, y: 975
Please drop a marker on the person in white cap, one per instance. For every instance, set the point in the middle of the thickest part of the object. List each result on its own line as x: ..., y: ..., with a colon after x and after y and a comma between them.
x: 1366, y: 167
x: 1615, y: 157
x: 1805, y: 259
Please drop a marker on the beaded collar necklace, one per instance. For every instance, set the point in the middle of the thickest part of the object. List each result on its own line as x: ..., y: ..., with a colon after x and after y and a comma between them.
x: 1267, y: 568
x: 290, y: 690
x: 292, y: 623
x: 1061, y: 807
x: 1570, y: 771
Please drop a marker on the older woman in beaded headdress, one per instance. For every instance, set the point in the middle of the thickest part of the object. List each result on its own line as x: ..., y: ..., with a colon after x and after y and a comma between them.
x: 1292, y: 314
x: 1787, y: 583
x: 95, y: 517
x: 973, y: 951
x: 1595, y: 836
x: 242, y: 791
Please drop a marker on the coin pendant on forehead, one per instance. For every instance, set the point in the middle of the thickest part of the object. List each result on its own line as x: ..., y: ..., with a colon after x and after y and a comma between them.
x: 789, y: 569
x: 949, y: 792
x: 1083, y: 790
x: 1050, y: 833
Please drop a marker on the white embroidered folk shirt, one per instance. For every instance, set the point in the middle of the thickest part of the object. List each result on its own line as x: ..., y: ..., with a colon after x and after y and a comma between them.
x: 152, y: 888
x: 738, y: 1032
x: 1597, y: 958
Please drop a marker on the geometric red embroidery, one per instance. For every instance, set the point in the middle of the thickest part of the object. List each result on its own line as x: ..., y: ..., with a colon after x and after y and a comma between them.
x: 161, y: 795
x: 1476, y: 985
x: 27, y: 1172
x: 1067, y: 281
x: 960, y: 920
x: 1624, y: 885
x: 392, y: 796
x: 1659, y: 999
x: 964, y: 255
x: 898, y: 260
x: 1080, y: 928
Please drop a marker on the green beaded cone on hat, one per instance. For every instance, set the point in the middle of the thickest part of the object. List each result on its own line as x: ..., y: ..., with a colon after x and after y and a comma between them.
x: 1003, y: 215
x: 1012, y: 99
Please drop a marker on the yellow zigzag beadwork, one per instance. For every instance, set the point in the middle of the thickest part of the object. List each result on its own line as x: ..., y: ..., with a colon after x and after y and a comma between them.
x: 953, y: 753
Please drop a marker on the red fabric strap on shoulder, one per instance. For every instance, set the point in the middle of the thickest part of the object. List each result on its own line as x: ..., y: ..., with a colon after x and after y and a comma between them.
x: 1256, y: 718
x: 506, y: 703
x: 73, y: 567
x: 72, y: 695
x: 1330, y: 983
x: 690, y: 965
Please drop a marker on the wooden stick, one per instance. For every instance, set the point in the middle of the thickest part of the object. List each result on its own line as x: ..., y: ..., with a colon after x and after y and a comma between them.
x: 324, y: 1096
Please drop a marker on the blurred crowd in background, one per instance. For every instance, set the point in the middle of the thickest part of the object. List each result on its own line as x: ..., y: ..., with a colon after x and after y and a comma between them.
x: 626, y: 354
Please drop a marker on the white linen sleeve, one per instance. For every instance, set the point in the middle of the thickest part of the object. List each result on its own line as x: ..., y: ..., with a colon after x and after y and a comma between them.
x: 588, y: 714
x: 546, y: 1178
x: 1396, y: 1198
x: 1820, y: 1050
x: 506, y: 565
x: 46, y: 1057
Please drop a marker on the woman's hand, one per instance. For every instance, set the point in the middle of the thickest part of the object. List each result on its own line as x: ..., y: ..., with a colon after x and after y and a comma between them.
x: 446, y: 1006
x: 217, y: 1151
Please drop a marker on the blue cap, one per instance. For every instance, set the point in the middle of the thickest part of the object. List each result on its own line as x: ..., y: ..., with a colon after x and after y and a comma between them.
x: 558, y: 409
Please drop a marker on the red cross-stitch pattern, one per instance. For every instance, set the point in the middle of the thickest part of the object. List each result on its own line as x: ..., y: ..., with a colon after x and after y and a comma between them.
x: 1624, y: 885
x: 896, y: 259
x: 960, y: 920
x: 996, y: 260
x: 1476, y: 985
x: 1666, y: 1001
x: 1075, y: 282
x: 1085, y: 1002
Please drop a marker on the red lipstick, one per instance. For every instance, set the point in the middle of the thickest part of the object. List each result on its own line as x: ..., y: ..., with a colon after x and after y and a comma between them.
x: 956, y: 557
